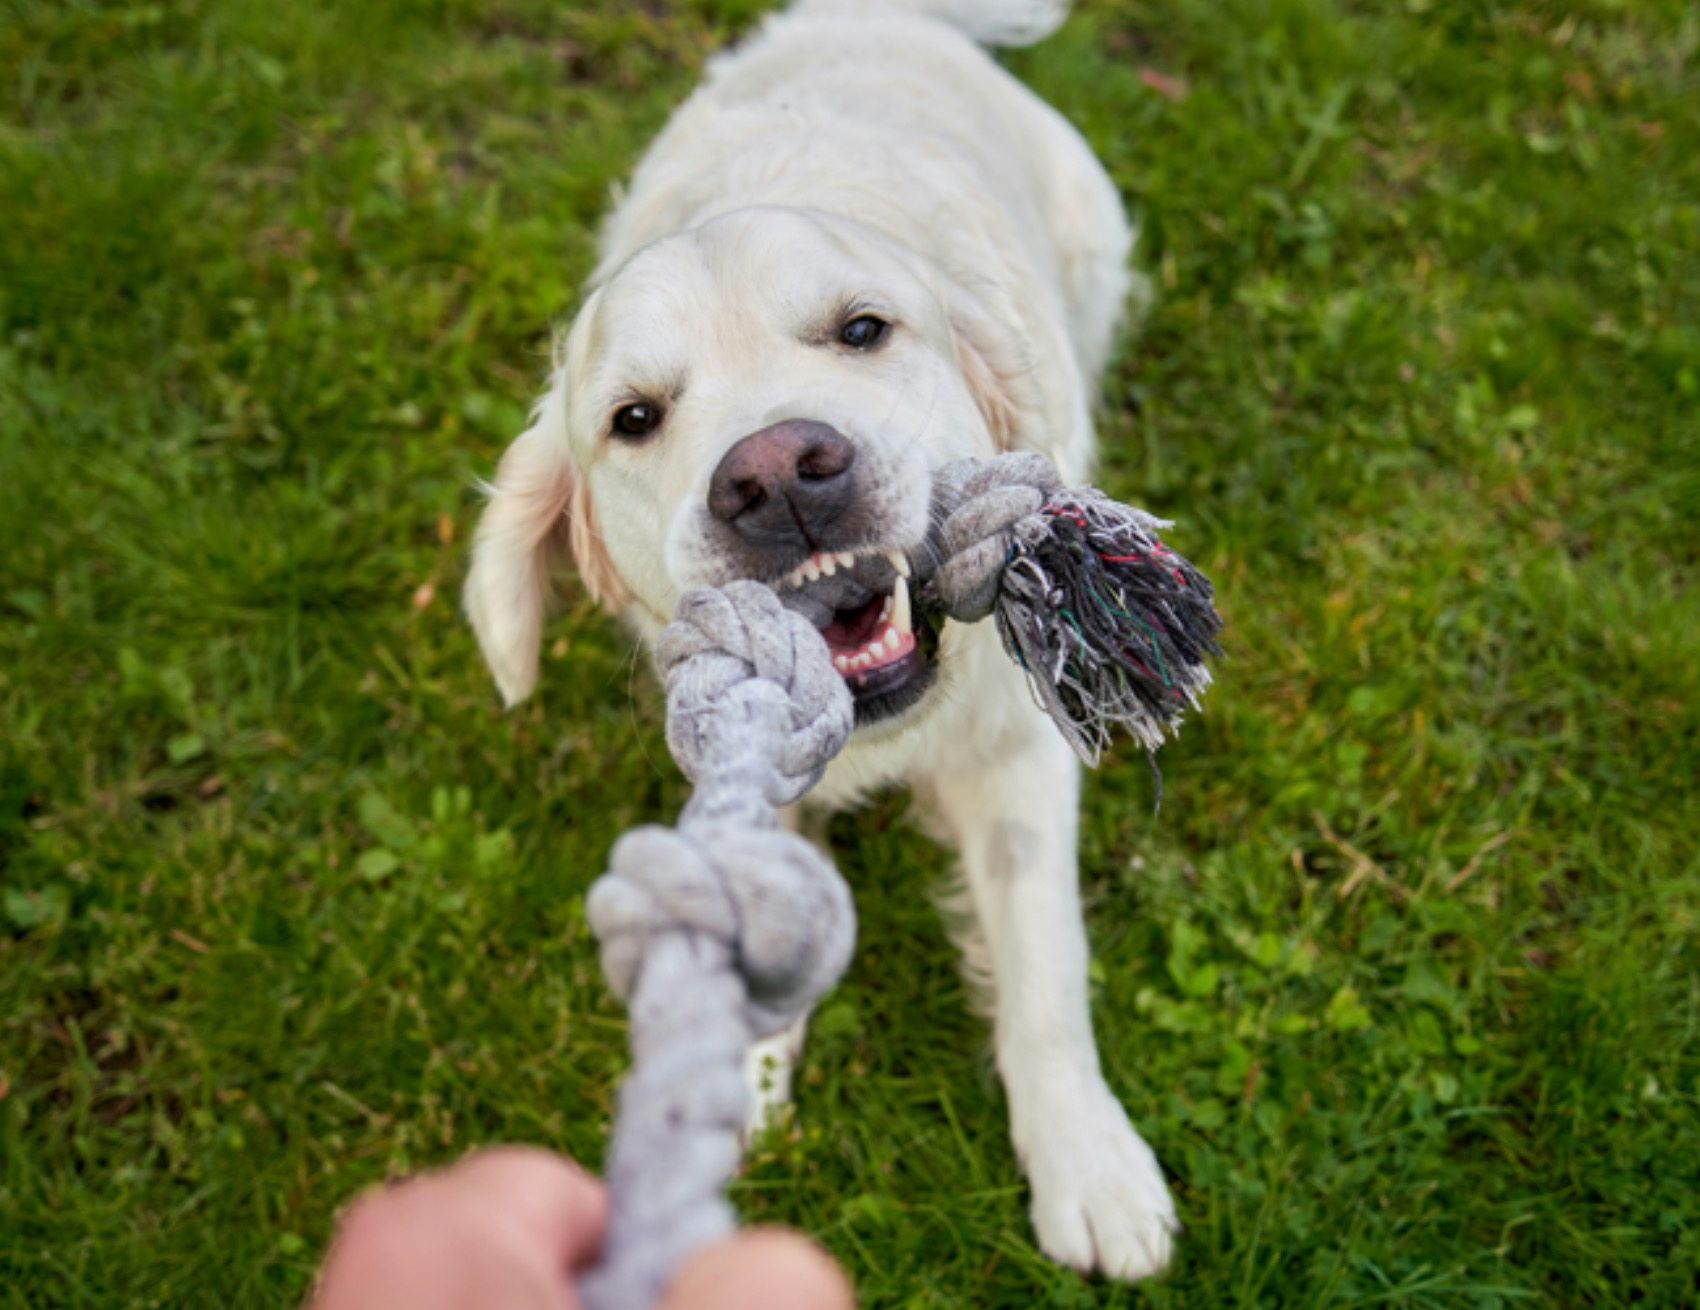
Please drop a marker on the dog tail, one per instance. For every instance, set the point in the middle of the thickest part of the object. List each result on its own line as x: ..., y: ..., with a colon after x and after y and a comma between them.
x: 990, y: 22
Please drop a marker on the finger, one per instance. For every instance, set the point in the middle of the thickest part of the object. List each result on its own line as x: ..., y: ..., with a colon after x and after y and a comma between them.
x: 760, y: 1269
x: 559, y: 1206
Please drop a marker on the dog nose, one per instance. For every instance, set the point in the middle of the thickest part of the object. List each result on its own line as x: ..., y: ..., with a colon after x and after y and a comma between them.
x: 784, y: 485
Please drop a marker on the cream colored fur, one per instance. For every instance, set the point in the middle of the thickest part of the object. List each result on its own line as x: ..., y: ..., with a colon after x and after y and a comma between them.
x: 866, y: 154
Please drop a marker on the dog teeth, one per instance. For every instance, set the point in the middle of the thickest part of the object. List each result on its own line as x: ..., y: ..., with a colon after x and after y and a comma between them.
x: 888, y: 644
x: 900, y: 618
x: 826, y: 564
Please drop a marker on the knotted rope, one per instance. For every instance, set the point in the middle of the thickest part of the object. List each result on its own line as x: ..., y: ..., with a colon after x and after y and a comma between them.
x: 721, y: 931
x: 1112, y: 626
x: 727, y: 928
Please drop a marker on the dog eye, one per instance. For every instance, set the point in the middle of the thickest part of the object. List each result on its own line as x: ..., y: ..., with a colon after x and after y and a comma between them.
x: 862, y: 332
x: 637, y: 420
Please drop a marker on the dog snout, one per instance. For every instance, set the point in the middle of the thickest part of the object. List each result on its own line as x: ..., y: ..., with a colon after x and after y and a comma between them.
x: 785, y: 485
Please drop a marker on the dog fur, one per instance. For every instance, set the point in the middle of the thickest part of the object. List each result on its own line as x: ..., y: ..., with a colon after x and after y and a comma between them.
x: 865, y: 157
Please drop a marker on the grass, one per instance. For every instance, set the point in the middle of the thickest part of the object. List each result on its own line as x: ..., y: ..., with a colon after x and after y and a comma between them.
x: 1403, y: 983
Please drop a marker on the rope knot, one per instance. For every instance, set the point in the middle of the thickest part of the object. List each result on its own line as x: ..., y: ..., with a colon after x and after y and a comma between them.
x: 750, y: 685
x: 773, y: 900
x: 981, y: 503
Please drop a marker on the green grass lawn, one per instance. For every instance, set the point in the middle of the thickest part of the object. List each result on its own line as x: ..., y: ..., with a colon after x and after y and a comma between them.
x: 1403, y: 983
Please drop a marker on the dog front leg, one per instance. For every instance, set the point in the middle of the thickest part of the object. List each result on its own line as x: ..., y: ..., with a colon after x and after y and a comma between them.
x: 769, y: 1062
x: 1099, y: 1200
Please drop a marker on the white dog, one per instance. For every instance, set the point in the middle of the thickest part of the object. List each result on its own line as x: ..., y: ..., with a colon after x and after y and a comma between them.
x: 859, y: 252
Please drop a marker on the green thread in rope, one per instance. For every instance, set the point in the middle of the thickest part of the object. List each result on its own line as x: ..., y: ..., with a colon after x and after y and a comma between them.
x: 1150, y: 632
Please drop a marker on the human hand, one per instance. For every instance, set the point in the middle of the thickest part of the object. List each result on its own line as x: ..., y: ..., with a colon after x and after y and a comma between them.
x: 509, y: 1227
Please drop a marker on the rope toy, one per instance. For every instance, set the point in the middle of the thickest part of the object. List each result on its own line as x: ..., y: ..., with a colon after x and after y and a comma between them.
x: 1112, y: 626
x: 727, y: 928
x: 719, y: 932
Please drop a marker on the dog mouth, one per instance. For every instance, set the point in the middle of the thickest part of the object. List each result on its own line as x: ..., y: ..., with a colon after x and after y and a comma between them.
x: 862, y: 603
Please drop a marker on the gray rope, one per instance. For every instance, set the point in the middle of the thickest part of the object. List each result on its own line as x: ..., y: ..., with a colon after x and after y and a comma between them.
x: 977, y: 505
x: 719, y: 932
x: 727, y: 928
x: 1111, y: 626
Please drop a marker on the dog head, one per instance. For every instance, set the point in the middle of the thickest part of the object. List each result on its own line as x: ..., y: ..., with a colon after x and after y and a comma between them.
x: 765, y: 396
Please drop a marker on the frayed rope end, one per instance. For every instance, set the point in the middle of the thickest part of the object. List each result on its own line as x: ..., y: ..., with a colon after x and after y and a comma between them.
x: 1112, y: 627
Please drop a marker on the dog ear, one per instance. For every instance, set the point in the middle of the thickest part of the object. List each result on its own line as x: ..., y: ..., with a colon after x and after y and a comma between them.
x: 1023, y: 378
x: 539, y: 511
x: 594, y: 565
x: 990, y: 361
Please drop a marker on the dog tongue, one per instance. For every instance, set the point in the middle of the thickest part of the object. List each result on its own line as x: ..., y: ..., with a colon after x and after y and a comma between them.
x: 850, y: 630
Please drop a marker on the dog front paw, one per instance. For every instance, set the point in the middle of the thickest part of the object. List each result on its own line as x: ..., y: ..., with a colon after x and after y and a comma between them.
x: 1099, y: 1199
x: 767, y: 1073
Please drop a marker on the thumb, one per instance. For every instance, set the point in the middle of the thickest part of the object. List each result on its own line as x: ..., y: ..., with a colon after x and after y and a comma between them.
x: 760, y: 1269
